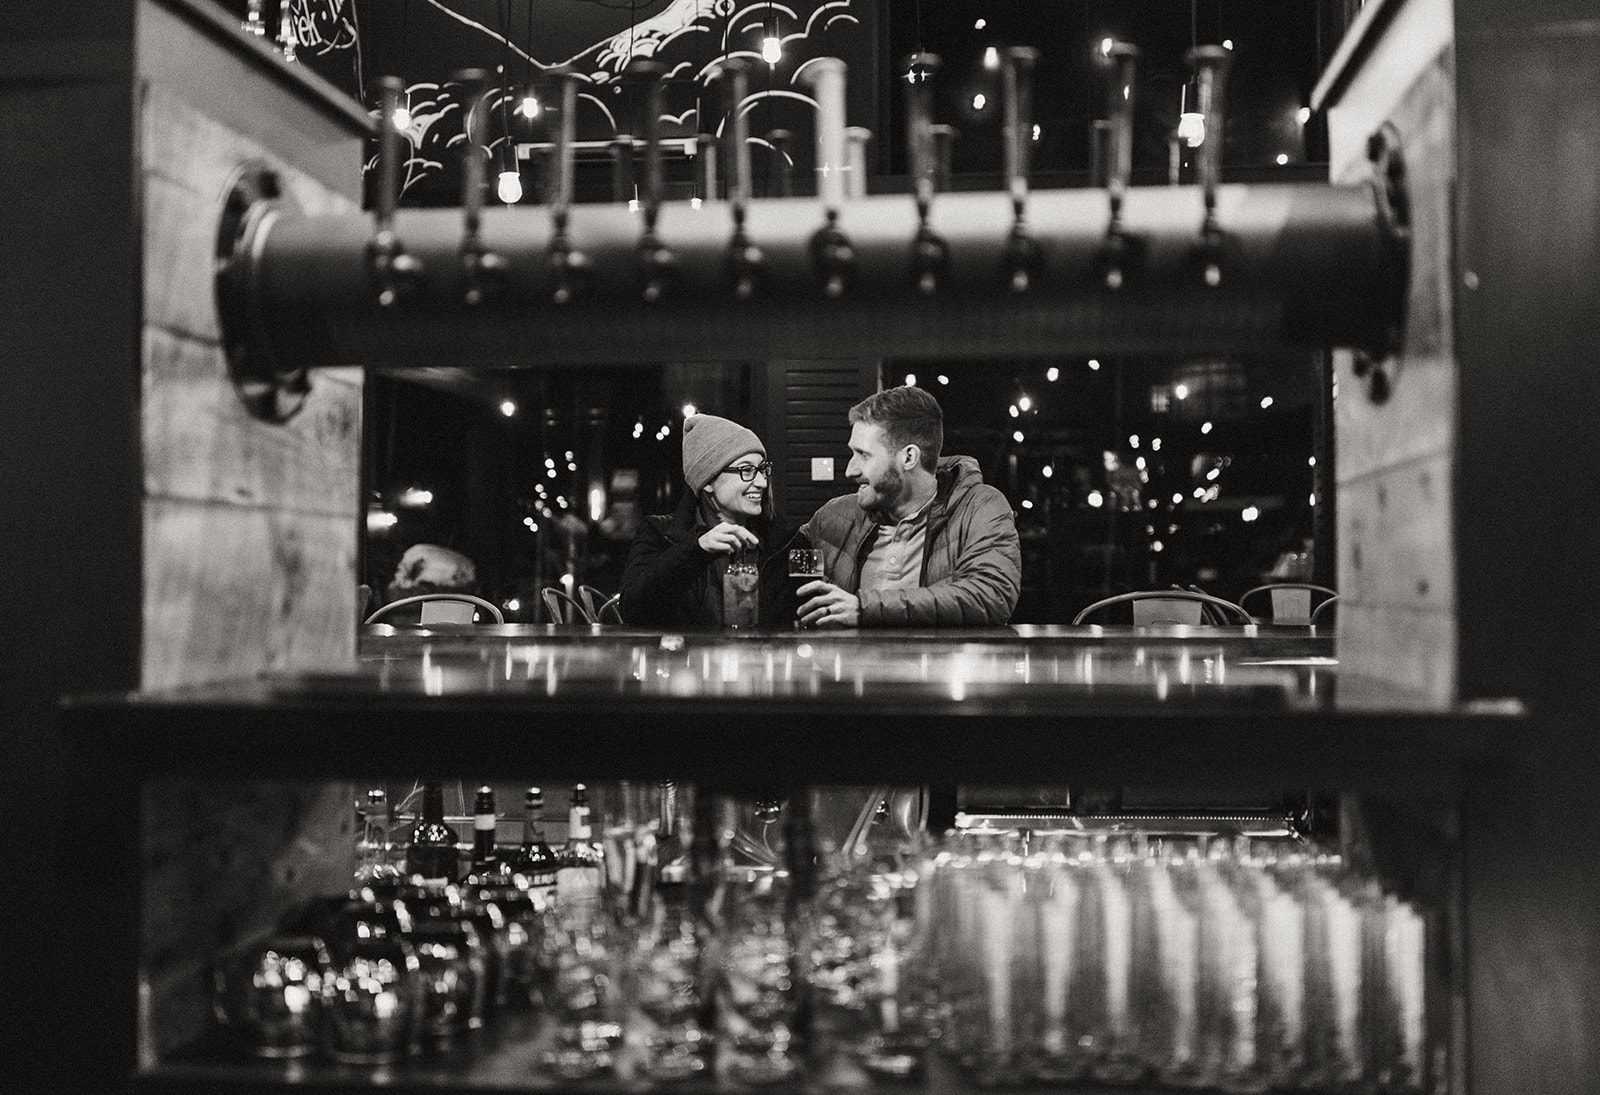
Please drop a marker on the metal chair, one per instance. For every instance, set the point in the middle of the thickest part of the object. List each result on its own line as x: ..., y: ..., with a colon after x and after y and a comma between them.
x: 563, y: 608
x: 1316, y: 613
x: 610, y: 611
x: 443, y: 608
x: 591, y: 599
x: 1291, y: 601
x: 1167, y: 606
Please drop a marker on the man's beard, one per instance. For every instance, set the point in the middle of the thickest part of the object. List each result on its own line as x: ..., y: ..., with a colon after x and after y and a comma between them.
x: 888, y: 493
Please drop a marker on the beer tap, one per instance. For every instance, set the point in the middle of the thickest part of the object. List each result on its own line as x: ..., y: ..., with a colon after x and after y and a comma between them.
x: 623, y: 187
x: 944, y: 140
x: 394, y: 273
x: 1120, y: 61
x: 855, y: 177
x: 780, y: 176
x: 930, y: 254
x: 832, y: 254
x: 567, y: 263
x: 483, y: 272
x: 706, y: 166
x: 1023, y: 260
x: 745, y: 260
x: 1211, y: 73
x: 659, y: 265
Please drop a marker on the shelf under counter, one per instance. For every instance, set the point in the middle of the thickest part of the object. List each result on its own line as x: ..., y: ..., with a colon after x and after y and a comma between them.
x: 498, y: 1061
x: 1209, y: 707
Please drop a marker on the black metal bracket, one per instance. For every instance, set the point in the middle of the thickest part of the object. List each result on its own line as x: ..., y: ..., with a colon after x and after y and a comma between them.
x: 1379, y: 370
x: 268, y: 392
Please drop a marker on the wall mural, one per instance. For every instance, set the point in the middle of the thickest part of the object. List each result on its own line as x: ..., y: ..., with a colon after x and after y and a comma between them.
x: 426, y: 43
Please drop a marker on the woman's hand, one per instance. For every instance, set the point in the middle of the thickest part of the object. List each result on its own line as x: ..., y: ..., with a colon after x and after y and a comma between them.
x: 727, y: 538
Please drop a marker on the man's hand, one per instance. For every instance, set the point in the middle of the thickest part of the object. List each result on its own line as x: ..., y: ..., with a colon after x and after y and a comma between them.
x: 826, y: 605
x: 728, y: 538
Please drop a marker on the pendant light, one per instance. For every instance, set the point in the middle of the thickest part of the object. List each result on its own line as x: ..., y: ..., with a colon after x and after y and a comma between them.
x: 1191, y: 120
x: 508, y: 187
x: 401, y: 118
x: 771, y: 42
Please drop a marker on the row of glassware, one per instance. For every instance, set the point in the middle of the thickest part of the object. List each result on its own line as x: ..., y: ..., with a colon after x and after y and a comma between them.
x: 1242, y: 965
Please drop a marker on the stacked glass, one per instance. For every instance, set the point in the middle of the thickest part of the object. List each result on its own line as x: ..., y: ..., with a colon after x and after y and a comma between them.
x: 1191, y: 963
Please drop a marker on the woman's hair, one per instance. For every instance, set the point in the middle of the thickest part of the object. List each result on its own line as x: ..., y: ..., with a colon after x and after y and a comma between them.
x: 907, y: 416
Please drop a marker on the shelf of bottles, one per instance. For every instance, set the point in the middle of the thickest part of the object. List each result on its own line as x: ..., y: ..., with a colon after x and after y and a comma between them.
x: 827, y: 940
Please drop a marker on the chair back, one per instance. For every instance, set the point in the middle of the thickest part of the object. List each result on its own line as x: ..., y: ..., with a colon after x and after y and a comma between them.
x: 591, y: 599
x: 1169, y: 606
x: 563, y: 608
x: 1291, y: 602
x: 610, y: 612
x: 443, y: 608
x: 1166, y: 610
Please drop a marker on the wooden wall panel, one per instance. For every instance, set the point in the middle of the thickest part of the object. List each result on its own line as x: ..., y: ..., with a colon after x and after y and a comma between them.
x: 222, y: 862
x: 807, y: 407
x: 1395, y: 471
x: 249, y: 536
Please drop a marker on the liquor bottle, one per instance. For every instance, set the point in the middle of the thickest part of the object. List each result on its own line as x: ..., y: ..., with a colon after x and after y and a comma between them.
x: 488, y: 869
x: 578, y: 877
x: 431, y: 847
x: 374, y: 870
x: 536, y: 862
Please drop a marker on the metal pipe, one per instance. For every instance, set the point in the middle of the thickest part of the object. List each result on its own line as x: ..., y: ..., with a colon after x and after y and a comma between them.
x: 1309, y: 266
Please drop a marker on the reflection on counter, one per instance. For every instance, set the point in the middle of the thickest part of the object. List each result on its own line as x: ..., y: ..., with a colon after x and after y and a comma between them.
x: 1197, y: 663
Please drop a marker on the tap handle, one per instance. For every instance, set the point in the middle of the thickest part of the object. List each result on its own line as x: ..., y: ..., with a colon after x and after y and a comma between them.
x: 706, y: 166
x: 475, y: 83
x: 561, y: 169
x: 857, y: 138
x: 657, y: 264
x: 745, y: 260
x: 1211, y: 76
x: 622, y: 182
x: 780, y: 174
x: 483, y: 271
x: 650, y: 75
x: 392, y: 88
x: 1016, y: 90
x: 736, y: 73
x: 1121, y: 62
x: 921, y: 160
x: 825, y: 75
x: 395, y: 274
x: 944, y: 140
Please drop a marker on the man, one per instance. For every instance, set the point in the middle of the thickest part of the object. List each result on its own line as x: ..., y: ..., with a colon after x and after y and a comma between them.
x: 924, y: 542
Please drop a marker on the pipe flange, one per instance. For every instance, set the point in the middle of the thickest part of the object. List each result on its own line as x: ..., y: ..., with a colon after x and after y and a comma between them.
x: 252, y: 200
x: 1379, y: 368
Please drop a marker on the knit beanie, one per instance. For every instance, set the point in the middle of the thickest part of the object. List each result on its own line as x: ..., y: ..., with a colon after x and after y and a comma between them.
x: 711, y: 444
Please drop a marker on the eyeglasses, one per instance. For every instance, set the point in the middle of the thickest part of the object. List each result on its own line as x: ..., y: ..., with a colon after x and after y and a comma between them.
x: 748, y: 472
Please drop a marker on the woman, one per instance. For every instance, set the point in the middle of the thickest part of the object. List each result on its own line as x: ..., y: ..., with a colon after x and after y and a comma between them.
x: 673, y: 576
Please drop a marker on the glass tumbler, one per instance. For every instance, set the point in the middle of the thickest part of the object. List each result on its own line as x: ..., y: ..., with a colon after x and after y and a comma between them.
x: 741, y: 592
x: 266, y: 995
x: 755, y: 997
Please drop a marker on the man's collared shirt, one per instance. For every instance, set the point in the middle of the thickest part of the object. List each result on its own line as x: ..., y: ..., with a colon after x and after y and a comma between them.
x: 895, y: 561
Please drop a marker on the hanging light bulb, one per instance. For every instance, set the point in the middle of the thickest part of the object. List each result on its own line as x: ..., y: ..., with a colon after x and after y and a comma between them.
x: 509, y: 187
x: 529, y: 107
x: 401, y: 118
x: 1191, y: 123
x: 771, y: 43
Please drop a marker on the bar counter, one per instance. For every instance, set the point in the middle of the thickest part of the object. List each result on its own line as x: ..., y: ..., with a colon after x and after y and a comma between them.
x: 1189, y: 706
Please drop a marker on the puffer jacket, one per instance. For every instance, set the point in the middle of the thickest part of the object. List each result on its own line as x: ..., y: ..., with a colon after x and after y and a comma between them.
x: 669, y: 580
x: 971, y: 559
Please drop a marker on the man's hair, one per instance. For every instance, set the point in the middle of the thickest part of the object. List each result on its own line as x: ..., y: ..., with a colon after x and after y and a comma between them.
x: 907, y: 416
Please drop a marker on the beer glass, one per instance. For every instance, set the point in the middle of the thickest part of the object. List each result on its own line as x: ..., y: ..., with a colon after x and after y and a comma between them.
x: 805, y: 565
x: 741, y: 592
